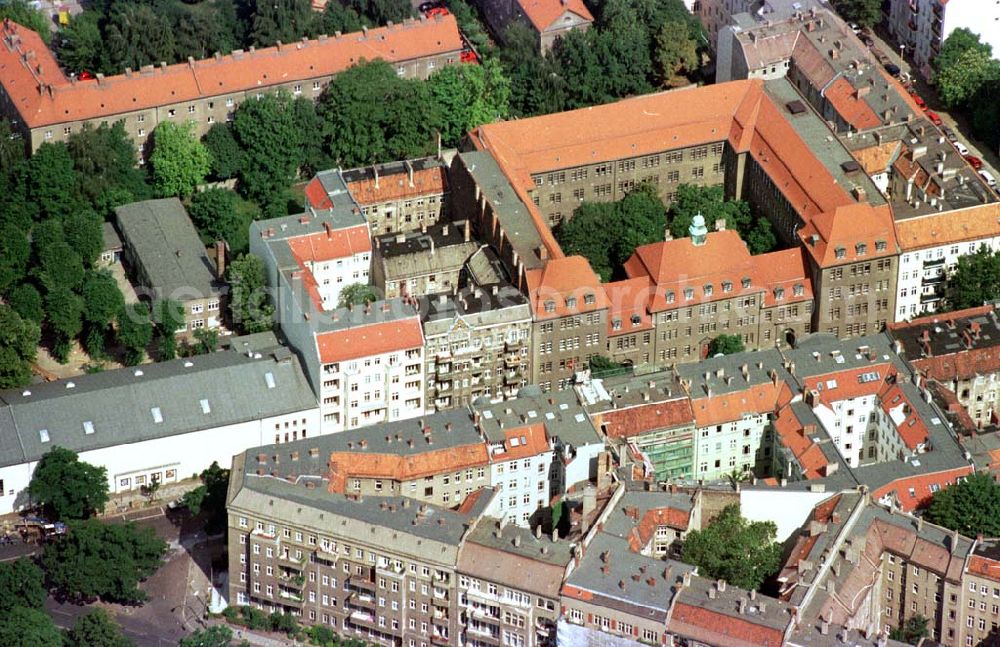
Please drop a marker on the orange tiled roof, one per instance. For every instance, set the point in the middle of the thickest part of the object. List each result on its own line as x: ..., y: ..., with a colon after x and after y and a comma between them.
x: 329, y: 245
x: 570, y: 277
x: 49, y: 97
x: 635, y: 421
x: 358, y: 464
x: 722, y: 629
x: 542, y: 13
x: 876, y: 159
x: 531, y: 440
x: 852, y: 108
x: 846, y: 384
x: 797, y: 438
x: 627, y: 299
x: 985, y: 567
x: 912, y: 428
x: 316, y: 195
x: 726, y: 407
x: 921, y: 485
x: 397, y: 186
x: 370, y: 339
x: 974, y: 223
x: 963, y: 365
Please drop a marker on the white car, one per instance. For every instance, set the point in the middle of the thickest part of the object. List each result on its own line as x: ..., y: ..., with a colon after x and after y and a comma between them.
x: 961, y: 148
x: 854, y: 28
x: 988, y: 177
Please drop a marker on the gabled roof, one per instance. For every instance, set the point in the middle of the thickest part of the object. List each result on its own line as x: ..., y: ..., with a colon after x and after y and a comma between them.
x: 760, y: 399
x: 47, y: 97
x: 630, y: 422
x: 369, y: 339
x: 561, y: 279
x: 542, y: 13
x: 950, y: 226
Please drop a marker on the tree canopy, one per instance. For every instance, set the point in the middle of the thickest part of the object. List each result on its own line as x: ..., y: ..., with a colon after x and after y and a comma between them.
x: 915, y: 628
x: 710, y: 202
x: 95, y: 560
x: 356, y: 294
x: 607, y: 233
x: 179, y: 161
x: 866, y: 13
x: 726, y: 345
x: 18, y: 341
x: 249, y: 304
x: 68, y: 487
x: 742, y: 552
x: 210, y: 496
x: 24, y: 627
x: 975, y: 280
x: 22, y: 584
x: 214, y: 636
x: 24, y: 14
x: 971, y: 506
x: 97, y: 629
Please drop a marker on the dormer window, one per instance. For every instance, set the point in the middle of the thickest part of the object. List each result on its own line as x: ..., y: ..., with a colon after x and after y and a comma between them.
x: 708, y: 290
x: 840, y: 252
x: 636, y: 320
x: 779, y: 293
x: 550, y: 306
x: 746, y: 282
x: 799, y: 290
x: 880, y: 245
x: 688, y: 293
x: 861, y: 249
x: 589, y: 299
x: 670, y: 297
x: 727, y: 286
x: 616, y: 324
x: 570, y: 302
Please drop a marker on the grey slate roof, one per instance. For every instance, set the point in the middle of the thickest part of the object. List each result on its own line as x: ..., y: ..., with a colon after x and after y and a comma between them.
x: 536, y: 565
x: 607, y: 571
x: 620, y: 524
x: 109, y: 238
x: 119, y: 404
x: 163, y: 239
x: 561, y: 412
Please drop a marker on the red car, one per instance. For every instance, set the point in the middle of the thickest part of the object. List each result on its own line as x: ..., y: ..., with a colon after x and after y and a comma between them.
x: 933, y: 116
x: 974, y: 162
x: 86, y: 76
x: 437, y: 11
x: 468, y: 56
x: 919, y: 101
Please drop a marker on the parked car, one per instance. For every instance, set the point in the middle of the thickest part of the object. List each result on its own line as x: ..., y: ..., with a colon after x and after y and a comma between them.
x: 854, y: 27
x: 949, y: 133
x: 427, y: 6
x: 892, y: 69
x: 962, y: 149
x: 988, y: 178
x: 919, y: 101
x: 974, y: 162
x: 436, y: 11
x: 933, y: 116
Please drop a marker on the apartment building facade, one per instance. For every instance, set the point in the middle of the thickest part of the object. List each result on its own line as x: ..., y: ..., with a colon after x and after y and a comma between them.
x: 400, y: 196
x: 49, y: 106
x: 477, y: 346
x: 423, y: 262
x: 549, y: 20
x: 923, y: 25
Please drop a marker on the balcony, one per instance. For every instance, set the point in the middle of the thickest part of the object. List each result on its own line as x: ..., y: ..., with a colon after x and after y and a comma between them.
x: 479, y: 612
x: 484, y: 634
x: 364, y: 599
x: 290, y: 597
x: 293, y: 562
x: 438, y: 639
x: 360, y: 582
x: 362, y: 616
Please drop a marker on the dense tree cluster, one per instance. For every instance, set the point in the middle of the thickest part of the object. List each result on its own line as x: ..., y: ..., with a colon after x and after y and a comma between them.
x: 607, y: 233
x: 210, y: 498
x: 971, y: 506
x: 865, y: 13
x: 66, y: 487
x: 742, y: 552
x: 726, y: 345
x: 968, y: 78
x: 635, y: 47
x: 111, y: 35
x: 975, y: 280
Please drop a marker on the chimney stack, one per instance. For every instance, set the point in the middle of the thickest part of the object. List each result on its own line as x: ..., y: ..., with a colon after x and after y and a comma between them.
x: 220, y: 258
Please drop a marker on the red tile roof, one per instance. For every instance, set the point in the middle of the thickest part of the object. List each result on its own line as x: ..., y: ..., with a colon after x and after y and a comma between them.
x: 570, y: 277
x: 316, y: 195
x: 358, y: 464
x: 628, y: 299
x: 369, y: 340
x: 427, y: 181
x: 640, y: 536
x: 726, y: 407
x: 523, y: 442
x: 724, y: 630
x: 974, y: 223
x: 852, y: 108
x: 798, y: 439
x: 984, y: 567
x: 638, y: 420
x: 909, y: 425
x: 329, y: 245
x: 921, y: 485
x: 48, y: 97
x: 542, y: 13
x: 846, y: 384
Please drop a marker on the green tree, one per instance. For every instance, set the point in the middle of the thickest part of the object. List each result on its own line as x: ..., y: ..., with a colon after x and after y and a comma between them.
x: 587, y: 234
x: 67, y: 487
x: 15, y: 250
x: 225, y: 152
x: 59, y: 266
x: 962, y: 80
x: 94, y: 560
x: 915, y: 628
x: 23, y: 627
x: 971, y: 506
x: 958, y: 43
x: 469, y: 95
x: 27, y: 302
x: 284, y: 20
x: 179, y: 162
x: 22, y: 584
x: 624, y: 46
x: 136, y: 35
x: 338, y: 17
x: 208, y: 340
x: 866, y: 13
x: 102, y: 300
x: 742, y: 552
x: 23, y: 14
x: 64, y: 313
x: 726, y: 345
x: 676, y: 52
x: 356, y: 294
x: 135, y: 331
x: 536, y: 86
x: 370, y: 114
x: 104, y: 159
x: 380, y: 12
x: 215, y: 636
x: 249, y: 305
x: 215, y: 214
x: 760, y: 237
x: 169, y: 318
x: 975, y: 280
x: 18, y: 343
x: 52, y: 181
x: 97, y: 629
x: 710, y: 202
x: 266, y: 131
x: 80, y: 45
x: 85, y: 234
